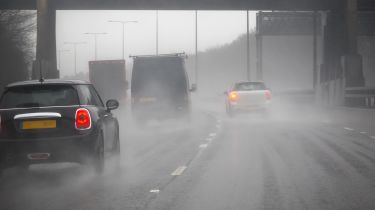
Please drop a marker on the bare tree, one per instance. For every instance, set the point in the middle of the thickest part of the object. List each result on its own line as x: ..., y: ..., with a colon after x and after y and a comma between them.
x: 17, y: 41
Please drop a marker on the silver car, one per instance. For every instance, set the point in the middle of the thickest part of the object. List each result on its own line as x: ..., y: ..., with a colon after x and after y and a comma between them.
x: 247, y: 96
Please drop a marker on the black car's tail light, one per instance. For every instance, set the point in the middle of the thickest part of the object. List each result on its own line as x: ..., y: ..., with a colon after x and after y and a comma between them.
x: 0, y: 124
x: 83, y: 119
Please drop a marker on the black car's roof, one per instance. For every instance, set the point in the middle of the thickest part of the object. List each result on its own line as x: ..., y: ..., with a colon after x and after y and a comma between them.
x: 49, y: 81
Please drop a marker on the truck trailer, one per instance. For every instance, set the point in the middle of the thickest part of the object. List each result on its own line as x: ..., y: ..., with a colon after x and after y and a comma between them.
x: 109, y: 78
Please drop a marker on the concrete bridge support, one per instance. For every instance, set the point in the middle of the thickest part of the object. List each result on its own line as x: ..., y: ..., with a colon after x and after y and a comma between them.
x: 46, y: 41
x: 342, y: 64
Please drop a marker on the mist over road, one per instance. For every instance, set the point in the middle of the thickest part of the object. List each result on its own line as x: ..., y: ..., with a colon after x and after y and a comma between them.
x: 297, y: 157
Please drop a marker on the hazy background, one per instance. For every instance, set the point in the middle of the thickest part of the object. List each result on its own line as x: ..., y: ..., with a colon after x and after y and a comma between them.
x: 287, y: 61
x: 176, y: 33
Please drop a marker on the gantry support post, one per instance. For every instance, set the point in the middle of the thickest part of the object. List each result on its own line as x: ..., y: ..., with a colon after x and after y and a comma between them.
x: 46, y: 41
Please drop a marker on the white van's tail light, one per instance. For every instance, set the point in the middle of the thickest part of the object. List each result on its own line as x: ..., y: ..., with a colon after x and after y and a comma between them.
x: 233, y: 96
x: 83, y: 119
x: 268, y: 94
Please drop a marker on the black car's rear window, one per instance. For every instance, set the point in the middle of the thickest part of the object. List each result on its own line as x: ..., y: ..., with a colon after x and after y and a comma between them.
x: 250, y: 86
x: 39, y: 96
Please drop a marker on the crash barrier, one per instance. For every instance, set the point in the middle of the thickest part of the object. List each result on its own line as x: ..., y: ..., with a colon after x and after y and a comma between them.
x: 360, y: 97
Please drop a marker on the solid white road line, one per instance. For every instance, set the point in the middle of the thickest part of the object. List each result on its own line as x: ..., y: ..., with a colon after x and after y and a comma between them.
x: 349, y: 129
x: 203, y: 146
x: 179, y: 171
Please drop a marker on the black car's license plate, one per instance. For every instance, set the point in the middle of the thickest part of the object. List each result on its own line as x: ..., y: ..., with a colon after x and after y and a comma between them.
x: 38, y: 124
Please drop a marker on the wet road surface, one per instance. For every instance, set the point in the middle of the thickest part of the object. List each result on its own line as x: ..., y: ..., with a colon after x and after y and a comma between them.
x: 281, y: 161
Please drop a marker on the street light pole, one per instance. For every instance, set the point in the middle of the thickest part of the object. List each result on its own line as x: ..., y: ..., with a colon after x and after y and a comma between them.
x: 123, y: 41
x: 59, y: 56
x: 75, y: 53
x: 247, y: 47
x: 95, y: 41
x: 196, y: 47
x: 315, y: 51
x: 123, y: 33
x: 157, y: 32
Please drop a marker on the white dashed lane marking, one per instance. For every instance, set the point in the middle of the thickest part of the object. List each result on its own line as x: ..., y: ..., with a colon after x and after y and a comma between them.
x: 212, y: 135
x: 209, y: 139
x: 363, y: 132
x: 349, y: 129
x: 373, y: 137
x: 179, y: 171
x: 154, y: 191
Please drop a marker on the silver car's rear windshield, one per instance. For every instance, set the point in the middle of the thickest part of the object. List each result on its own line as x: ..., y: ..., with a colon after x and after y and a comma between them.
x: 39, y: 96
x: 250, y: 86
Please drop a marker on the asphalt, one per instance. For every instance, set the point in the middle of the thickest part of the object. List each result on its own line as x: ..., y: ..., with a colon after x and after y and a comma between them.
x: 296, y: 157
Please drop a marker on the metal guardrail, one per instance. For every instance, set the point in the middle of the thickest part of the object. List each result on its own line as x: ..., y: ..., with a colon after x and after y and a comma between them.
x: 360, y: 97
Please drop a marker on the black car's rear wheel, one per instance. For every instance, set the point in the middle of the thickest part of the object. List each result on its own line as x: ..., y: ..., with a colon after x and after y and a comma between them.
x: 117, y: 149
x: 117, y: 152
x: 98, y: 161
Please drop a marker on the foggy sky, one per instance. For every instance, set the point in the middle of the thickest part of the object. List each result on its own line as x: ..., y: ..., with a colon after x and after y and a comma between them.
x: 176, y: 33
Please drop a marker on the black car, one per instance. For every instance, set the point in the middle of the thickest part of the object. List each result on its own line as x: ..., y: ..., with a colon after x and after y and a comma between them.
x: 160, y: 87
x: 56, y: 121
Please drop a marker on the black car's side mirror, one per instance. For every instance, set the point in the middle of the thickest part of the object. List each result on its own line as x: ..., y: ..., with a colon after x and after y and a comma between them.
x: 193, y: 88
x: 112, y: 104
